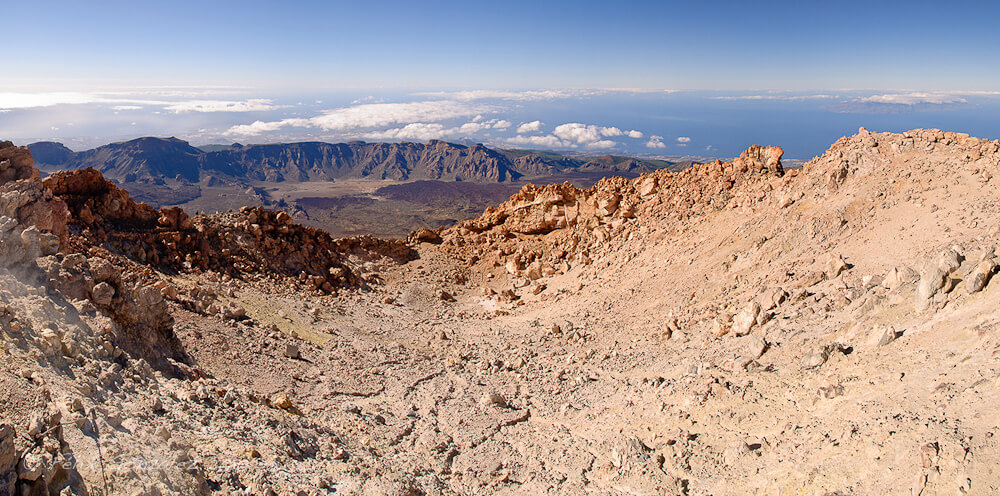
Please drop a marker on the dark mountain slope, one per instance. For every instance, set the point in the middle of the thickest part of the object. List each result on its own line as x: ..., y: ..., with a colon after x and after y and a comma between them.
x: 157, y: 160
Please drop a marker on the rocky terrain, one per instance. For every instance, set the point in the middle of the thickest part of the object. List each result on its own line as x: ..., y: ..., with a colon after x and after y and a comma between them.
x: 732, y: 328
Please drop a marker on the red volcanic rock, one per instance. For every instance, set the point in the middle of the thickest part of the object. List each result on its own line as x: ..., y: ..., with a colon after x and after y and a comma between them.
x: 15, y: 163
x: 253, y: 240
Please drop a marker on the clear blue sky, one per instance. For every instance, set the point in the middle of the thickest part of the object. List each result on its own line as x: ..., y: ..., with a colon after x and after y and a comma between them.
x: 307, y: 45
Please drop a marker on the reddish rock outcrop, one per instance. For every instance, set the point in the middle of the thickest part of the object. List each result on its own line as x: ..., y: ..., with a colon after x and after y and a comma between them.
x: 251, y: 241
x: 15, y: 163
x: 23, y: 197
x: 542, y: 230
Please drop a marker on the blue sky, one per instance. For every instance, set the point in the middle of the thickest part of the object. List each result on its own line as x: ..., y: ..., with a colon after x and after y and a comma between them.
x: 313, y: 45
x: 655, y: 78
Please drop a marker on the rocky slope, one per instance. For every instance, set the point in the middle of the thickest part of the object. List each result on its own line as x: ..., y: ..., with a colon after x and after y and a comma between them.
x: 157, y: 160
x: 734, y: 328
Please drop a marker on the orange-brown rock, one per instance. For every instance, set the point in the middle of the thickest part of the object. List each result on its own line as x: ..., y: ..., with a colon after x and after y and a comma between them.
x: 559, y: 225
x: 15, y: 163
x: 253, y: 240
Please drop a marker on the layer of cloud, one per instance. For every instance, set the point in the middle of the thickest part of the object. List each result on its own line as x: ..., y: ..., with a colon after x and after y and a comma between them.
x: 420, y: 131
x: 369, y: 116
x: 521, y: 96
x: 34, y: 100
x: 119, y: 102
x: 383, y: 114
x: 254, y: 105
x: 770, y: 97
x: 914, y: 98
x: 900, y: 102
x: 529, y: 127
x: 655, y: 142
x: 424, y: 131
x: 547, y: 141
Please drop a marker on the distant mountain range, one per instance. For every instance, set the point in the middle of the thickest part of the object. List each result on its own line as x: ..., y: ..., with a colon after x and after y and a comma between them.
x: 168, y: 160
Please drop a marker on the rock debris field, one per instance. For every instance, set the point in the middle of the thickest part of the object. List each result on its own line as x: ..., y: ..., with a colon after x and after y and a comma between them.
x: 732, y: 328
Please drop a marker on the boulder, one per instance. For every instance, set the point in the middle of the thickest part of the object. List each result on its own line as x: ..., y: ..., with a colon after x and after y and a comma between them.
x: 834, y: 266
x: 980, y: 275
x: 746, y: 319
x: 756, y: 347
x: 8, y: 460
x: 898, y: 276
x: 102, y: 294
x: 882, y: 335
x: 932, y: 280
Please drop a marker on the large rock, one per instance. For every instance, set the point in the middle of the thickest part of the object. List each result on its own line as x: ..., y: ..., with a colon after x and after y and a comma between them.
x: 8, y: 460
x: 980, y: 275
x: 23, y: 197
x: 760, y: 158
x: 15, y: 163
x: 932, y: 280
x: 746, y: 319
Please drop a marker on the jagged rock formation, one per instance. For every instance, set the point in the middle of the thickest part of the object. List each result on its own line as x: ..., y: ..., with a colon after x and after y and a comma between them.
x: 254, y: 240
x: 156, y: 160
x: 325, y: 161
x: 588, y: 219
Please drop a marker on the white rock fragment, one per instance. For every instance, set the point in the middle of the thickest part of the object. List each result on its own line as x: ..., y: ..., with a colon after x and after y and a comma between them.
x: 746, y: 319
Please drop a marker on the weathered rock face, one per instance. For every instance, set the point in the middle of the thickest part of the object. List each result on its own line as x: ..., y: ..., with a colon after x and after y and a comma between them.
x: 253, y: 240
x: 542, y: 209
x: 8, y: 461
x: 15, y: 163
x: 24, y: 198
x: 32, y: 221
x: 760, y: 158
x: 544, y: 230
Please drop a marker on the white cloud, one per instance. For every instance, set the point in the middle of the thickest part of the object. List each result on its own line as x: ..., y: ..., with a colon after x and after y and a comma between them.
x: 384, y: 114
x: 602, y: 144
x: 589, y: 135
x: 427, y: 131
x: 683, y: 139
x: 777, y: 97
x: 370, y: 116
x: 367, y: 99
x: 547, y: 141
x: 523, y: 96
x: 640, y: 90
x: 257, y: 127
x: 37, y: 100
x: 529, y: 127
x: 914, y: 98
x: 655, y: 142
x: 33, y: 100
x: 255, y: 105
x: 634, y: 134
x: 416, y: 131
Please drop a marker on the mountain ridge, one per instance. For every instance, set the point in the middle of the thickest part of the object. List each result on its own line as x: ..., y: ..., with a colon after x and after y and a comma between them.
x: 154, y: 160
